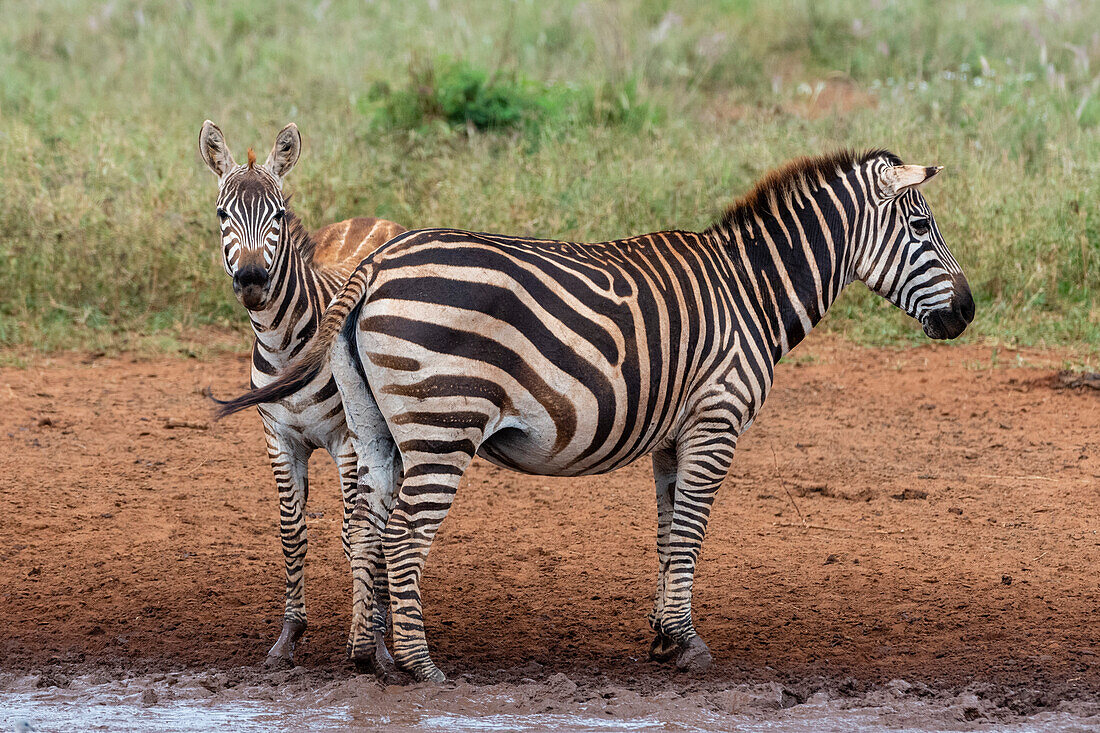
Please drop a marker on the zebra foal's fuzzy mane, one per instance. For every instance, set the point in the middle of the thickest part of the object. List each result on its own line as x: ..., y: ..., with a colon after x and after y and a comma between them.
x: 797, y: 175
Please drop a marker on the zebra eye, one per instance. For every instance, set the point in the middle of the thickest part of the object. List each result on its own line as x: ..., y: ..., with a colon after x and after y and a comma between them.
x: 279, y: 215
x: 222, y: 215
x: 921, y: 227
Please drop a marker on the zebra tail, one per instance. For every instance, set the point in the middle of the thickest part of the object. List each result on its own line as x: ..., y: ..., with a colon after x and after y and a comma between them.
x: 302, y: 371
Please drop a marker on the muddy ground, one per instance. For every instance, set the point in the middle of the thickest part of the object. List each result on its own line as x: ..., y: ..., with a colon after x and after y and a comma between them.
x: 927, y: 515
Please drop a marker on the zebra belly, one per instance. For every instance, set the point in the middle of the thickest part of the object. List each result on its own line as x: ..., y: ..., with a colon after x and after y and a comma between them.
x: 510, y: 429
x: 516, y: 449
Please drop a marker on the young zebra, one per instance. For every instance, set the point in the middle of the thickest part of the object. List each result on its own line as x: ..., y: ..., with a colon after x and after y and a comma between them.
x: 565, y: 359
x: 286, y: 277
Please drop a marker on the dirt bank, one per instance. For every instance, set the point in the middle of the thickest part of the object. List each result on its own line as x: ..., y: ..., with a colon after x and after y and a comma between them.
x: 912, y: 514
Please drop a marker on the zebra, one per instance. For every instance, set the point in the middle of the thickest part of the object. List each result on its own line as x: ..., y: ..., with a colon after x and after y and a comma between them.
x: 285, y: 277
x: 566, y: 359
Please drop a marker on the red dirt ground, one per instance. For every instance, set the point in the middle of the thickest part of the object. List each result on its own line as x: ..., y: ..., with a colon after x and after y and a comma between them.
x: 948, y: 532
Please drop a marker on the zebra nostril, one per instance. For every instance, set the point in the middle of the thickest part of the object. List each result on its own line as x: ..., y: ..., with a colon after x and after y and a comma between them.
x: 250, y: 276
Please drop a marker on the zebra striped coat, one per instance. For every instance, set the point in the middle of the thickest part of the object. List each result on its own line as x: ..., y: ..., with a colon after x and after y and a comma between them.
x: 285, y: 278
x: 565, y: 359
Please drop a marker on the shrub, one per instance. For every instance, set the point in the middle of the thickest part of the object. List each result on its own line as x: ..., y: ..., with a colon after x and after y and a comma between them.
x: 465, y: 96
x: 455, y: 92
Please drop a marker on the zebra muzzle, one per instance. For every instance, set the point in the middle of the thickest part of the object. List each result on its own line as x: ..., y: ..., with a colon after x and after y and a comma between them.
x: 250, y: 286
x: 950, y: 322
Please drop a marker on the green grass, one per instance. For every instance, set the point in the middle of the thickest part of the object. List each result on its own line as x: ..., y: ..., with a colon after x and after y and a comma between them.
x: 578, y: 120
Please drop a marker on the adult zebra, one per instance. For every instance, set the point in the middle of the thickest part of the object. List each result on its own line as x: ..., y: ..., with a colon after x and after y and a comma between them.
x: 566, y: 359
x: 286, y: 277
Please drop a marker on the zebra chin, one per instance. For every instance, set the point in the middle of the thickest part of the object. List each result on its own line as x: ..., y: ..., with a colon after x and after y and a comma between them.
x: 944, y: 324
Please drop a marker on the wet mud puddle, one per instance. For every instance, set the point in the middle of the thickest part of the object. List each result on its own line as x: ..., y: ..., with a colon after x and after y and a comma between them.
x: 206, y: 702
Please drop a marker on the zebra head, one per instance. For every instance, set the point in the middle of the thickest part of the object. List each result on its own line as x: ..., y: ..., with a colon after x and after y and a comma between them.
x: 908, y: 262
x: 251, y: 209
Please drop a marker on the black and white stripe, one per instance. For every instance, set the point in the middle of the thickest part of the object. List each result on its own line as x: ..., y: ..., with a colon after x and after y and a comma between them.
x: 564, y: 359
x: 250, y: 209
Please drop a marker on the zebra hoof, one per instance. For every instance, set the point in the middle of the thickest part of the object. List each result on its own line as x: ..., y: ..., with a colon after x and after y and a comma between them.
x: 431, y: 675
x: 694, y: 656
x: 424, y: 672
x: 374, y: 659
x: 276, y: 662
x: 663, y: 648
x: 379, y: 664
x: 282, y: 653
x: 382, y: 656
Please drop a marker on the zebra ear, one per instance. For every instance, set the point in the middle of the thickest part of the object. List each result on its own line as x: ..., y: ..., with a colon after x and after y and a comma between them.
x: 288, y: 146
x: 214, y: 151
x: 897, y: 178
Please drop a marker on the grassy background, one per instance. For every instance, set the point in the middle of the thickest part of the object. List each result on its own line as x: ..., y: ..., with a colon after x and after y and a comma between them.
x: 578, y: 120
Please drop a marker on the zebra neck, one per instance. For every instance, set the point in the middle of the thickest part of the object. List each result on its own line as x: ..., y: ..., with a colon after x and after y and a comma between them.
x: 794, y: 261
x: 289, y: 321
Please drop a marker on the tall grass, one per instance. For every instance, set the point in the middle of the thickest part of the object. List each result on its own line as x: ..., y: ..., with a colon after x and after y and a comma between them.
x: 579, y: 120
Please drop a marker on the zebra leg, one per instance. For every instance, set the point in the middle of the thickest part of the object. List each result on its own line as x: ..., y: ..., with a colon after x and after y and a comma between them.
x: 377, y: 474
x: 663, y: 648
x: 703, y: 459
x: 347, y: 462
x: 289, y: 463
x: 427, y: 491
x: 370, y: 619
x: 378, y: 570
x: 366, y: 641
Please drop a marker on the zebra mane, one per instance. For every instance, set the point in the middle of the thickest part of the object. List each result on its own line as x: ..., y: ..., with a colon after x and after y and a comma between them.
x: 798, y: 175
x: 298, y: 235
